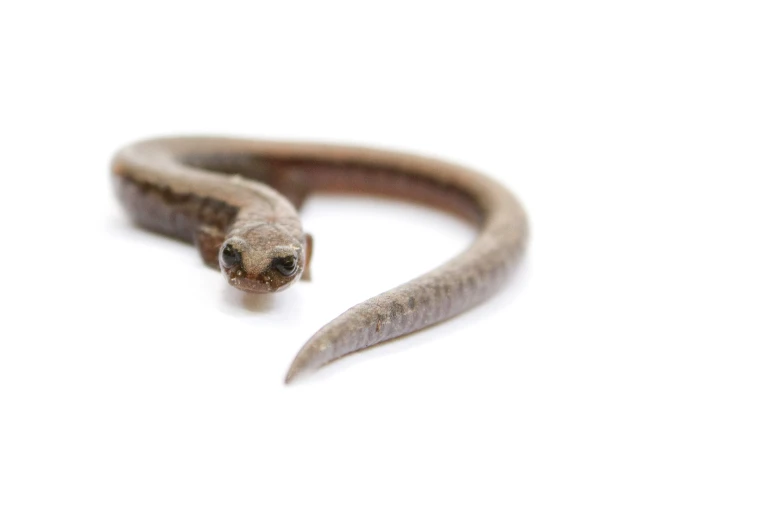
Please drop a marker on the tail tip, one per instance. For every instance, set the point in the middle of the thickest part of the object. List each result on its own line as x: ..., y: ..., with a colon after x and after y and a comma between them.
x: 313, y: 355
x: 296, y: 368
x: 291, y: 375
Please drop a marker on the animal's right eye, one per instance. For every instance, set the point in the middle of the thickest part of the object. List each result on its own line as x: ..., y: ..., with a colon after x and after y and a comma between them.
x: 286, y: 265
x: 230, y: 256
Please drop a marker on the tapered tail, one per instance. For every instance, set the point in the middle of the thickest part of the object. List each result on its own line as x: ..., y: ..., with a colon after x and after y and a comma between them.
x: 442, y: 293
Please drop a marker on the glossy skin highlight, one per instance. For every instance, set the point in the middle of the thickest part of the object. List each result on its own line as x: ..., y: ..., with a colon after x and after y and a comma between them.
x: 237, y: 200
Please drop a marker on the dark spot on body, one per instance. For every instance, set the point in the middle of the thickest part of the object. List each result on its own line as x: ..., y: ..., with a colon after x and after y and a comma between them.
x: 396, y: 310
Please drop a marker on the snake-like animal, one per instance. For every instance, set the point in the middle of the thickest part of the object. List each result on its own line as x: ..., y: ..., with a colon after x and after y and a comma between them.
x: 237, y: 200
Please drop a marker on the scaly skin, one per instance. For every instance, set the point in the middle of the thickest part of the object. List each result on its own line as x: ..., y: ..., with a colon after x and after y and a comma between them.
x: 237, y: 200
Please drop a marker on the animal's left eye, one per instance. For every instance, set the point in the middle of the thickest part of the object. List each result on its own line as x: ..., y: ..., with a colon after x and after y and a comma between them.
x: 231, y: 257
x: 286, y: 265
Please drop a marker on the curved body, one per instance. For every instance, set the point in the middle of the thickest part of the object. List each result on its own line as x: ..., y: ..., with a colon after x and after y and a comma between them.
x: 234, y: 195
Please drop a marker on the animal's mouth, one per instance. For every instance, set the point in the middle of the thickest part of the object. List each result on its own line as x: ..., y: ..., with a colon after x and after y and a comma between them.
x: 238, y: 278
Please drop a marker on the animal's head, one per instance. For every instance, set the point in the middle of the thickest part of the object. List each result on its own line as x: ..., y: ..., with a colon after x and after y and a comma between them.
x: 262, y: 258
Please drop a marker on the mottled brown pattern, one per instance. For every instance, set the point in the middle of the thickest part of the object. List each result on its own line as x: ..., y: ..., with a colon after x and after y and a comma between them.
x: 243, y: 194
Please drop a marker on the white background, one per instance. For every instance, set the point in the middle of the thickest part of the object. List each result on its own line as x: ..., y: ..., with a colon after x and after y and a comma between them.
x: 630, y: 373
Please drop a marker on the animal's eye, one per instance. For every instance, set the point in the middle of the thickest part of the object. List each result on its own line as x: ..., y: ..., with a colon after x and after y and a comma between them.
x: 230, y: 256
x: 286, y: 265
